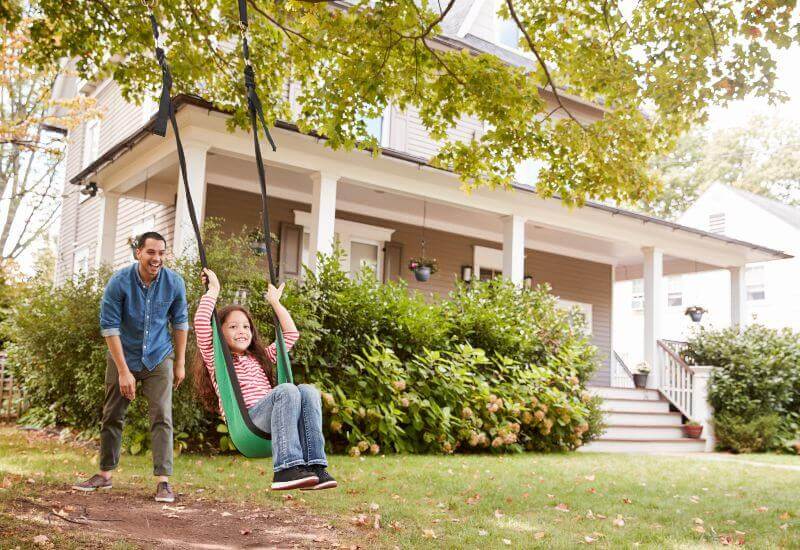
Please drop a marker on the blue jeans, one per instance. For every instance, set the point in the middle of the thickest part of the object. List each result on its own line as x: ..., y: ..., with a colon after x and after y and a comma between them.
x: 293, y: 415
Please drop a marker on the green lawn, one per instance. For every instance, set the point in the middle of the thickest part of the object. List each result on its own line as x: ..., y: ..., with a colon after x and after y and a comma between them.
x: 546, y: 501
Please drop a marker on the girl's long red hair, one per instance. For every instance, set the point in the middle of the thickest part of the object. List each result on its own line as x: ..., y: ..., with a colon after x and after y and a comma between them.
x: 203, y: 386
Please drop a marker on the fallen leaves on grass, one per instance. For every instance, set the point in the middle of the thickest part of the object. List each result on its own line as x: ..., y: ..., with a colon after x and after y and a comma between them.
x: 762, y: 509
x: 507, y: 542
x: 429, y: 534
x: 562, y: 507
x: 619, y: 522
x: 483, y: 533
x: 589, y: 478
x: 627, y: 501
x: 539, y: 535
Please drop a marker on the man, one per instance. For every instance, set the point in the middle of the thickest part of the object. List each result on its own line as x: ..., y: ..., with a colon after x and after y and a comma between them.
x: 138, y: 302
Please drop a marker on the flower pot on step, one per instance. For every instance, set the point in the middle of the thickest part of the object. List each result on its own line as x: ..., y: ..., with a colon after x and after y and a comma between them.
x: 692, y: 432
x: 640, y: 379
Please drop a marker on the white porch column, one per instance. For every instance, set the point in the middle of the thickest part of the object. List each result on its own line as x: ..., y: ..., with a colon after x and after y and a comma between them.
x: 183, y: 240
x: 514, y: 248
x: 653, y: 309
x: 701, y: 409
x: 323, y: 215
x: 107, y: 229
x: 738, y: 295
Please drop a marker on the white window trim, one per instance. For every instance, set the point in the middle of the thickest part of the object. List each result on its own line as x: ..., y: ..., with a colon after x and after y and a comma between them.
x: 350, y: 231
x: 584, y: 307
x: 486, y: 258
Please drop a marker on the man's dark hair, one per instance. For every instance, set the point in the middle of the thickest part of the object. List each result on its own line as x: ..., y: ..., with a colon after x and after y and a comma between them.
x: 141, y: 239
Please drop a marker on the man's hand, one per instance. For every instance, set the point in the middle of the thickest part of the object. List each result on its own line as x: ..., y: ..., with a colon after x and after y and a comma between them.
x: 178, y: 373
x: 127, y: 385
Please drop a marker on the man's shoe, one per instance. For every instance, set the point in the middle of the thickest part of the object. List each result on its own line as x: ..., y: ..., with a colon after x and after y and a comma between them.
x: 164, y: 492
x: 93, y: 484
x: 326, y: 480
x: 293, y: 478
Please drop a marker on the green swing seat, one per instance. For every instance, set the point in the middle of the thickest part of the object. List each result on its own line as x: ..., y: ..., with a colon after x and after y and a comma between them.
x: 248, y: 438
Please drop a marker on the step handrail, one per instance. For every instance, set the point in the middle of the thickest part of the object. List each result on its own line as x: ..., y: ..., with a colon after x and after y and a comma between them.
x: 677, y: 379
x: 625, y: 381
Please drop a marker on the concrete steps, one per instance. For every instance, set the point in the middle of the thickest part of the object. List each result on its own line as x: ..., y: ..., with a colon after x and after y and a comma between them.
x: 640, y: 421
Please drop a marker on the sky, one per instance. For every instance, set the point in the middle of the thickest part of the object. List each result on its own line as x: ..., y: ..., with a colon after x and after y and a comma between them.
x: 736, y: 114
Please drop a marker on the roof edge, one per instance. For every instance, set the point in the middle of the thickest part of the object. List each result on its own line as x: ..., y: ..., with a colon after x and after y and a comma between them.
x: 182, y: 100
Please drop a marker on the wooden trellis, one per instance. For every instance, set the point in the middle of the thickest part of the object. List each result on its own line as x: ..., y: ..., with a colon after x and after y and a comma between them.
x: 12, y: 402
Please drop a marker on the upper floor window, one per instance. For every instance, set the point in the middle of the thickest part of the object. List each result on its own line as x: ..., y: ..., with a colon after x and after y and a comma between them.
x: 716, y: 223
x: 91, y: 141
x: 637, y: 294
x: 754, y: 281
x: 378, y: 127
x: 507, y: 32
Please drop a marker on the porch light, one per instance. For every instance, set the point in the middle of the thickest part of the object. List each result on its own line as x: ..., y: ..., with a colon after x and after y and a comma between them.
x: 466, y: 273
x: 89, y: 189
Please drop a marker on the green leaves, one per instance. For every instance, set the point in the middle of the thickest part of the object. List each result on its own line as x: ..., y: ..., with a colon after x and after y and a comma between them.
x: 669, y: 60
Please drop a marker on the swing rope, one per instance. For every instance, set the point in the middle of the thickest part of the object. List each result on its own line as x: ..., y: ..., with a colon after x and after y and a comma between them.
x: 248, y: 438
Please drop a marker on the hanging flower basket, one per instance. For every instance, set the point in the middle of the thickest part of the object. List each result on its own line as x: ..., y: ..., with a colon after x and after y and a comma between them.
x: 695, y: 312
x: 423, y: 268
x: 258, y: 244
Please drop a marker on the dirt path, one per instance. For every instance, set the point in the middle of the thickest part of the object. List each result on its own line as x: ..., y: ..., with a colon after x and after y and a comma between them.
x: 191, y: 522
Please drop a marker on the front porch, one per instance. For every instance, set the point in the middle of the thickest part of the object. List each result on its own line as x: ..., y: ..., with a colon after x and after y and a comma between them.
x: 382, y: 208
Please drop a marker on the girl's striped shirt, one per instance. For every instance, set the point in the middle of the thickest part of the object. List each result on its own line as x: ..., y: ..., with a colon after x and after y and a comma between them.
x: 254, y: 383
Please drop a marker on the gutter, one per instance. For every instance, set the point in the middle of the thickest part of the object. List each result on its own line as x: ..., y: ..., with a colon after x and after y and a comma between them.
x: 181, y: 100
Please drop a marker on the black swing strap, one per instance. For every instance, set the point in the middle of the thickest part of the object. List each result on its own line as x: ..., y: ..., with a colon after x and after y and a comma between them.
x: 257, y: 115
x: 166, y: 113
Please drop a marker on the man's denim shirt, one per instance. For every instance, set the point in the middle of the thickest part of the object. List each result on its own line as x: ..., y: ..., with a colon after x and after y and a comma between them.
x: 138, y: 314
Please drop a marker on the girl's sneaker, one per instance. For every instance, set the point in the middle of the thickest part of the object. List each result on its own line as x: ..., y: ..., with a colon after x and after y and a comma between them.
x: 293, y: 478
x: 326, y: 480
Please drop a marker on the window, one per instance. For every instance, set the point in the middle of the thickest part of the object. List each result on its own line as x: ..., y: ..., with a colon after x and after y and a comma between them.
x: 378, y: 127
x: 754, y: 281
x: 363, y: 254
x: 508, y: 33
x: 91, y: 142
x: 80, y: 262
x: 363, y: 244
x: 716, y: 223
x: 675, y: 291
x: 637, y: 294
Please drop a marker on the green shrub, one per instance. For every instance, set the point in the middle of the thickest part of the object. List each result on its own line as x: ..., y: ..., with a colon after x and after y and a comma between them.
x: 490, y: 367
x: 739, y: 435
x: 758, y: 377
x: 56, y: 350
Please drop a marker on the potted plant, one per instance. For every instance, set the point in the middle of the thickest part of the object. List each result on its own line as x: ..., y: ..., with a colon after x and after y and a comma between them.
x: 693, y: 429
x: 695, y: 312
x: 640, y: 376
x: 423, y: 267
x: 258, y: 243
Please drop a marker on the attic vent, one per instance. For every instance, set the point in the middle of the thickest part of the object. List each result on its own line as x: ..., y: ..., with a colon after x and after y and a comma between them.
x: 716, y: 223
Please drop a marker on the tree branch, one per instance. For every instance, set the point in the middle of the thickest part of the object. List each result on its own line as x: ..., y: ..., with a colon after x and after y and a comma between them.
x: 535, y: 51
x: 710, y: 26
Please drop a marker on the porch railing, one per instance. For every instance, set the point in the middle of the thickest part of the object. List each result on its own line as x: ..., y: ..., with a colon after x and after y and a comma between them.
x: 676, y: 381
x: 621, y: 375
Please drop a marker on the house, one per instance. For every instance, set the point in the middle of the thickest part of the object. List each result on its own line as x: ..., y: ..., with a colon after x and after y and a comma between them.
x: 771, y: 295
x: 379, y: 208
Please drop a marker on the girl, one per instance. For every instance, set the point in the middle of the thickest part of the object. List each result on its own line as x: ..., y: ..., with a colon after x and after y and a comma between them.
x: 292, y: 414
